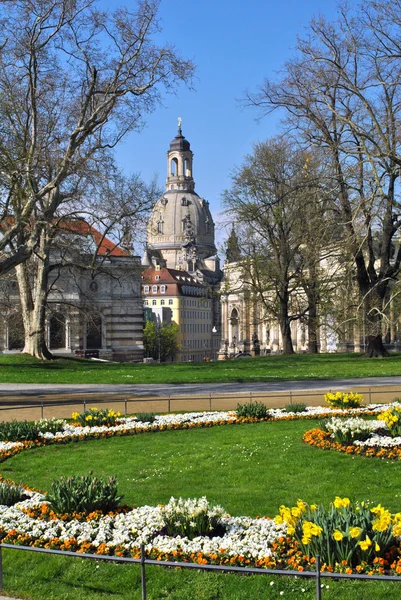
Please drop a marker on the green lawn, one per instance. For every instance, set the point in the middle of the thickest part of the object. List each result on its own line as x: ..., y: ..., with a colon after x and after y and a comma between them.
x: 248, y: 469
x: 25, y: 369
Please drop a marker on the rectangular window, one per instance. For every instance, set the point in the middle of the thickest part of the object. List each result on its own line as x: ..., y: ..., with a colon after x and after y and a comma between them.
x: 154, y: 302
x: 162, y: 302
x: 170, y: 302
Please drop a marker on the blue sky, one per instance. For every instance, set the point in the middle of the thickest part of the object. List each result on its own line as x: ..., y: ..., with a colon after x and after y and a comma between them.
x: 235, y: 45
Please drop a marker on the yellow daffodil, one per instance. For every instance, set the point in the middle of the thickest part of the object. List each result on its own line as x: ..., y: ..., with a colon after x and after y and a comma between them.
x: 337, y: 535
x: 365, y: 544
x: 355, y: 532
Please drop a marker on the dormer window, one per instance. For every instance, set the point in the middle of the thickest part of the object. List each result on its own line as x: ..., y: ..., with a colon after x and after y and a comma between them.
x: 157, y: 277
x: 146, y: 289
x: 154, y: 289
x: 162, y: 289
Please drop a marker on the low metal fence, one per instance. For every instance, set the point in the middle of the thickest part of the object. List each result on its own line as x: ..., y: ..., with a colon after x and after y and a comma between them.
x: 36, y: 409
x: 317, y: 575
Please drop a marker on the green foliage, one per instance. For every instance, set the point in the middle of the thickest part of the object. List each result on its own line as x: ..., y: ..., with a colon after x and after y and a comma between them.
x: 162, y: 339
x: 17, y: 431
x: 83, y: 494
x: 296, y: 408
x: 146, y: 417
x: 191, y: 518
x: 252, y: 410
x: 96, y: 417
x: 52, y: 425
x: 353, y: 532
x: 11, y: 494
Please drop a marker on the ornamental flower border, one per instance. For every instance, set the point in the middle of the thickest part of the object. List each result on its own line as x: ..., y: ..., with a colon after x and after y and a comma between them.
x: 259, y: 542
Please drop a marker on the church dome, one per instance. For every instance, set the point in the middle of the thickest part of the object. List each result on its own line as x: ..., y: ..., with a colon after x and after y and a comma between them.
x: 180, y: 143
x: 179, y: 218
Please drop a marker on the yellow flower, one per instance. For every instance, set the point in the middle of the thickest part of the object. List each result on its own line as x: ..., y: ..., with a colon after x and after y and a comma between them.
x: 355, y: 532
x: 75, y: 415
x: 296, y: 512
x: 291, y: 530
x: 313, y: 507
x: 306, y: 540
x: 397, y: 530
x: 341, y: 502
x: 365, y: 544
x: 337, y: 535
x: 377, y: 547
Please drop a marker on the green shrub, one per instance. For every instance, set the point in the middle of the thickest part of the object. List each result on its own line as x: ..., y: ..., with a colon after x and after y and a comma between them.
x: 17, y: 431
x: 83, y: 494
x: 96, y: 417
x: 11, y: 494
x: 192, y: 518
x: 252, y: 410
x: 52, y: 425
x: 146, y: 417
x: 296, y: 408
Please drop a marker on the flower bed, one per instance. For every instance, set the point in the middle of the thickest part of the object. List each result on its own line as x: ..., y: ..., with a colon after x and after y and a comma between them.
x: 375, y: 438
x: 166, y: 534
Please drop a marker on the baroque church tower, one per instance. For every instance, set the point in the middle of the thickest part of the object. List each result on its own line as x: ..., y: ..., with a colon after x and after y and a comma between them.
x: 180, y: 233
x: 181, y: 280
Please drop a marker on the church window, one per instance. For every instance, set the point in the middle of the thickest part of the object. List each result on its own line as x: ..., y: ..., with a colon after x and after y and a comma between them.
x: 184, y: 201
x: 187, y: 167
x: 174, y: 167
x: 154, y: 289
x: 146, y: 289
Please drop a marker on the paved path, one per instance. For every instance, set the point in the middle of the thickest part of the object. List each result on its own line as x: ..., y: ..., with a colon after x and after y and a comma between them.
x: 189, y: 389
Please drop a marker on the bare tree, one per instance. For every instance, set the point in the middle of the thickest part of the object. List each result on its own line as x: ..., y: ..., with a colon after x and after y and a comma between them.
x: 271, y: 194
x: 342, y: 93
x: 74, y: 80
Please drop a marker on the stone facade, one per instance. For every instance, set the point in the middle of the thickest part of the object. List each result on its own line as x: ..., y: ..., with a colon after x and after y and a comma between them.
x: 91, y: 311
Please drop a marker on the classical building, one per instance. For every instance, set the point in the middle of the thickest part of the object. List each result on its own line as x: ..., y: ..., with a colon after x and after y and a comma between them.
x: 181, y: 250
x: 91, y: 311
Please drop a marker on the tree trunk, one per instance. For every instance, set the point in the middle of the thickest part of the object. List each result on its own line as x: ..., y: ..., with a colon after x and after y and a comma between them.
x: 375, y: 347
x: 32, y: 277
x: 285, y: 325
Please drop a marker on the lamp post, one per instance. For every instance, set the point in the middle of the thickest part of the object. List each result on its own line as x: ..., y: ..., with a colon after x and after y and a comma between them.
x: 225, y: 348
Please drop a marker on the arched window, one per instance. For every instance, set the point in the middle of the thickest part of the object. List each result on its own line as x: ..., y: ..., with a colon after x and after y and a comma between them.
x: 174, y: 167
x: 187, y: 167
x: 15, y: 329
x: 57, y: 335
x: 160, y: 227
x: 234, y: 323
x: 94, y: 332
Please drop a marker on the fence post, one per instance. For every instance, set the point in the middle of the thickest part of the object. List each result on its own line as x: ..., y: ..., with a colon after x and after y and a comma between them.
x: 250, y: 397
x: 318, y: 588
x: 41, y: 411
x: 370, y: 396
x: 143, y: 572
x: 210, y: 401
x: 84, y: 405
x: 125, y: 407
x: 291, y: 397
x: 169, y: 403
